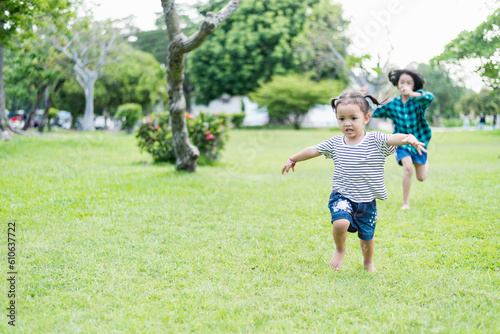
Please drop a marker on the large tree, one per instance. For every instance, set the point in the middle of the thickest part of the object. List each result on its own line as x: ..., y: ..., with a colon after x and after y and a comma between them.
x: 186, y: 154
x: 89, y: 47
x: 253, y: 45
x: 18, y: 18
x: 482, y: 44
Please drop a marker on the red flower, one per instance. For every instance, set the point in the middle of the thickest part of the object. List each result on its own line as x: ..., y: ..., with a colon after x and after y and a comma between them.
x: 210, y: 136
x: 156, y: 127
x: 189, y: 116
x: 207, y: 132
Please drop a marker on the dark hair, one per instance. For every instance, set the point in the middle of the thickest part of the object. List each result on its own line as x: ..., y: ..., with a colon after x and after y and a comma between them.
x: 352, y: 97
x: 418, y: 79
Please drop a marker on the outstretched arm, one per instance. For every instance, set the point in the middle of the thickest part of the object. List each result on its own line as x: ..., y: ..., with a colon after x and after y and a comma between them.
x: 305, y: 154
x: 399, y: 139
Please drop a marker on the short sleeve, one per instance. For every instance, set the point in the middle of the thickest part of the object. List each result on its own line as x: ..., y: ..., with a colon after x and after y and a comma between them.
x: 381, y: 143
x: 327, y: 148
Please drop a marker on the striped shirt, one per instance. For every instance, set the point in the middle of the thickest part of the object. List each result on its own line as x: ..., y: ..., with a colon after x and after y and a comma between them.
x: 359, y: 169
x: 409, y: 117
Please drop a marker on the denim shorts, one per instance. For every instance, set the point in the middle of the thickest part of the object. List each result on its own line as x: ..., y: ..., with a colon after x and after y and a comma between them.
x: 415, y: 157
x: 362, y: 216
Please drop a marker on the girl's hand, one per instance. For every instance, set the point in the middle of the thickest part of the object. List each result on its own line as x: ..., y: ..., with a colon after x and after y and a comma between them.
x: 289, y: 164
x: 406, y: 91
x: 420, y: 147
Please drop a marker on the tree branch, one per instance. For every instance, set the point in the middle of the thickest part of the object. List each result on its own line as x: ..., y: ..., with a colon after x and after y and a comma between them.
x: 209, y: 25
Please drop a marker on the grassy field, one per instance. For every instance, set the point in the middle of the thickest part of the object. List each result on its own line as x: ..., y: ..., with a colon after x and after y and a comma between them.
x: 108, y: 243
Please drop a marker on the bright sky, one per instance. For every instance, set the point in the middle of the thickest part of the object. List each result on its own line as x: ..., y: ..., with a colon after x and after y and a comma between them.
x: 417, y: 30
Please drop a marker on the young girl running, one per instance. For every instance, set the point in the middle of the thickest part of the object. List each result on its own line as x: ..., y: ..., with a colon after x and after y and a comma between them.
x: 358, y: 179
x: 407, y: 112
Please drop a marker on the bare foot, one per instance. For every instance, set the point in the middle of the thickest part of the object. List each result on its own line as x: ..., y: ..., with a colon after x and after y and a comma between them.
x: 370, y: 267
x: 405, y: 206
x: 336, y: 261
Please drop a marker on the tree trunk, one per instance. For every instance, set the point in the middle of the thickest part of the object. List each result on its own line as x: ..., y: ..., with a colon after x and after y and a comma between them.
x: 88, y: 116
x: 48, y: 105
x: 27, y: 122
x: 3, y: 117
x: 105, y: 113
x: 186, y: 154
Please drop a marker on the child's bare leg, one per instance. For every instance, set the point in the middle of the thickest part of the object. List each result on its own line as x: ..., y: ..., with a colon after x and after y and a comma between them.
x: 422, y: 171
x: 408, y: 174
x: 367, y: 247
x: 340, y: 227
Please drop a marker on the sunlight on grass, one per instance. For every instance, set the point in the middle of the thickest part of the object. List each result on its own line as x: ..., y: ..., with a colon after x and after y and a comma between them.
x: 107, y: 243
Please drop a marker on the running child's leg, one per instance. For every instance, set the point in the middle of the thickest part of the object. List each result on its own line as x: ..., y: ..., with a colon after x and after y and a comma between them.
x: 367, y: 247
x: 407, y: 175
x: 422, y: 171
x: 340, y: 227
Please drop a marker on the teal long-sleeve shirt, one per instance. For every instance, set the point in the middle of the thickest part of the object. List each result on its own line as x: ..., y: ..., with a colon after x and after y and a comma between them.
x: 409, y: 117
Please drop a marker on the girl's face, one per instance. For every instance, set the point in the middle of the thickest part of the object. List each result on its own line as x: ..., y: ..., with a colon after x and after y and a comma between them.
x: 351, y: 121
x: 405, y: 84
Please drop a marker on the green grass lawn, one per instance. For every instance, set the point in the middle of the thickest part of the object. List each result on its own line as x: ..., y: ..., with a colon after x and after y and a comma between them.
x: 109, y: 244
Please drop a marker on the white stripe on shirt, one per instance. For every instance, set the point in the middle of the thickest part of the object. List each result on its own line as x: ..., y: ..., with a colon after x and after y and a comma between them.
x: 359, y: 169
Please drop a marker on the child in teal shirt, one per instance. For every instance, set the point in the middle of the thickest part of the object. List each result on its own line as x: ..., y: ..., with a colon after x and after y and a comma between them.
x: 407, y: 112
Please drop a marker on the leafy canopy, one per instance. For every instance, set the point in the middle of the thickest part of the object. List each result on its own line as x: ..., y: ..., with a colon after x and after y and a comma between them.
x: 289, y: 98
x: 483, y: 44
x: 19, y: 17
x: 254, y: 44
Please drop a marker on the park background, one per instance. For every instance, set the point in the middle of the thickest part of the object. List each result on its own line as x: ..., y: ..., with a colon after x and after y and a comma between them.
x: 112, y: 237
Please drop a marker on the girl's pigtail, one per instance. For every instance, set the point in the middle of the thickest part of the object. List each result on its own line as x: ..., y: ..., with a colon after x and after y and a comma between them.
x: 374, y: 100
x: 333, y: 103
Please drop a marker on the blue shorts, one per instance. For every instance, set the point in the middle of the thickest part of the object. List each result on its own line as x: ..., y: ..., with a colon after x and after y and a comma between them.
x: 362, y: 216
x: 415, y: 157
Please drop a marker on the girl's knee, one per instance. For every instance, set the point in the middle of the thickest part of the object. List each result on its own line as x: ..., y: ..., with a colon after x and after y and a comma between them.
x: 341, y: 224
x: 421, y: 178
x: 408, y: 170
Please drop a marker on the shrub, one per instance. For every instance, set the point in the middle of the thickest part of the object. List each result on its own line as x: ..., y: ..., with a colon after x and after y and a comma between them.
x: 237, y: 119
x: 452, y: 122
x: 207, y: 132
x: 129, y: 114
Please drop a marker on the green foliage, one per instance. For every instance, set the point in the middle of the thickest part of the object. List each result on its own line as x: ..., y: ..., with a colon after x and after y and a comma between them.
x: 452, y: 122
x: 237, y: 119
x: 254, y: 44
x: 135, y: 77
x: 207, y: 132
x: 324, y: 29
x: 482, y: 43
x: 53, y: 112
x: 486, y: 102
x: 156, y: 41
x: 20, y: 18
x: 289, y: 98
x: 446, y: 91
x: 32, y: 68
x: 129, y: 114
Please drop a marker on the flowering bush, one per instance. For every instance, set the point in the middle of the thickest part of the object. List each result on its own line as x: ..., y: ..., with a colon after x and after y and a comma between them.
x: 207, y: 132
